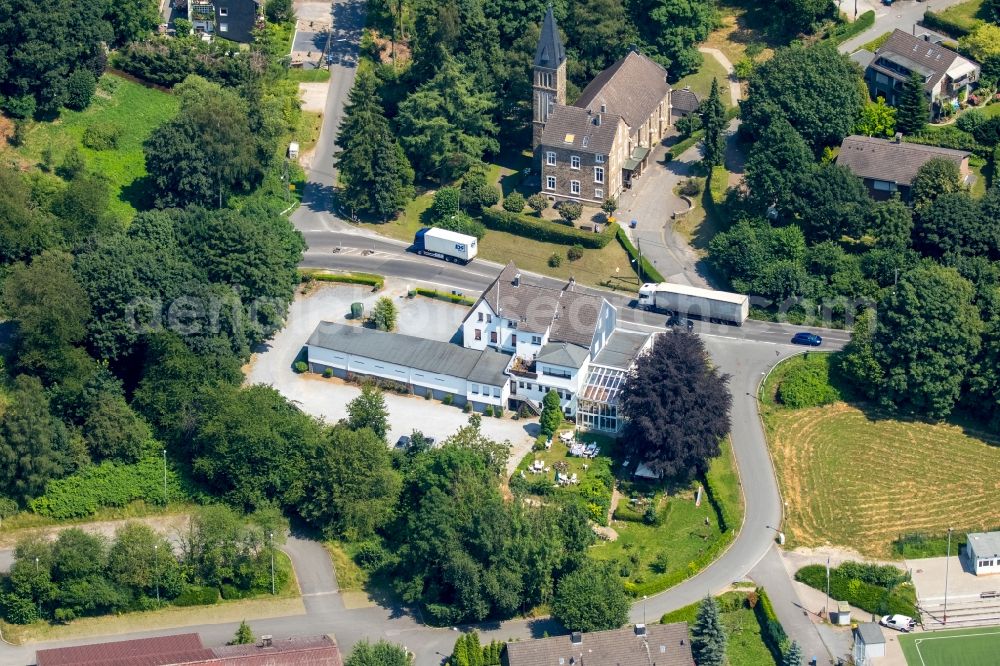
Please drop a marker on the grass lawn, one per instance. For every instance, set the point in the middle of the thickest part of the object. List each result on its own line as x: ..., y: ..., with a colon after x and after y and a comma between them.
x: 701, y: 81
x: 700, y: 225
x: 136, y: 109
x: 967, y: 14
x: 307, y: 133
x: 350, y: 576
x: 309, y: 75
x: 745, y: 646
x: 287, y: 602
x: 741, y: 26
x: 905, y: 476
x: 957, y: 647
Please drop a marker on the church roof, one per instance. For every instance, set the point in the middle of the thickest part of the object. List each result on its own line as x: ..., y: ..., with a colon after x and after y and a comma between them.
x: 576, y: 128
x: 630, y: 88
x: 550, y: 52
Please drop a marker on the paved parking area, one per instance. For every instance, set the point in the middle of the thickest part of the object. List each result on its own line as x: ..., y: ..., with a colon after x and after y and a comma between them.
x: 328, y: 398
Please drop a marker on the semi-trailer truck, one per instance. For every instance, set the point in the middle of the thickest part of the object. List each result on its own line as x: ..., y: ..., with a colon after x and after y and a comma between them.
x: 695, y: 302
x: 446, y: 244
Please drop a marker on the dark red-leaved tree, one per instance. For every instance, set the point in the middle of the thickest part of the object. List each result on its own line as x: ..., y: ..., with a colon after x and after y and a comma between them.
x: 677, y: 406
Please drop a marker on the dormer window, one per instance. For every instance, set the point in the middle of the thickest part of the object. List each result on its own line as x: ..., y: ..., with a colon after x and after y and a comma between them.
x: 604, y: 108
x: 586, y: 140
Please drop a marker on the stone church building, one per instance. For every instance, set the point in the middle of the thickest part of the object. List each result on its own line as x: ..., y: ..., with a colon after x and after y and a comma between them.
x: 593, y: 149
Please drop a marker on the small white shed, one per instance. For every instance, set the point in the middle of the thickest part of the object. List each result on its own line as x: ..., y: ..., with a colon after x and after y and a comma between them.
x: 293, y: 150
x: 869, y: 643
x: 983, y: 550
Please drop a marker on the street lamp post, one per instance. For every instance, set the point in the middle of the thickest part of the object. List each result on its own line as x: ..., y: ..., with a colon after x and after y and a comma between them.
x: 947, y: 561
x: 156, y: 571
x: 164, y: 478
x: 270, y: 537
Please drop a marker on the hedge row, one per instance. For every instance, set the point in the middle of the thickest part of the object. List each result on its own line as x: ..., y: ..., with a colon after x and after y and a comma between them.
x: 860, y: 594
x: 109, y: 484
x: 649, y: 274
x: 546, y: 231
x: 374, y: 281
x: 844, y: 31
x: 682, y: 146
x: 950, y: 137
x: 727, y: 521
x: 771, y: 630
x: 936, y: 21
x: 916, y: 546
x: 442, y: 296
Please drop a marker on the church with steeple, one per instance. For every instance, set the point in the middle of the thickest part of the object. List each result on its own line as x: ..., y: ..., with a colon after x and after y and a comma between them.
x: 594, y: 148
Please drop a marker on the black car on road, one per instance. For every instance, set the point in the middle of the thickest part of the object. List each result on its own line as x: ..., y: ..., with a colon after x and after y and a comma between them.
x: 810, y: 339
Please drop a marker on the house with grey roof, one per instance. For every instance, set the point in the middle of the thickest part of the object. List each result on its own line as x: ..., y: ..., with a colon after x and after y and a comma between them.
x: 639, y: 645
x: 983, y: 552
x: 888, y: 166
x: 234, y: 20
x: 566, y: 340
x: 947, y: 76
x: 592, y: 149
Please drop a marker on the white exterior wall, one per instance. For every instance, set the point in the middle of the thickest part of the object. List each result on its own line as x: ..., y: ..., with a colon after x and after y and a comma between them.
x: 983, y: 564
x: 527, y: 349
x: 486, y: 326
x: 430, y: 380
x: 606, y: 323
x: 542, y: 385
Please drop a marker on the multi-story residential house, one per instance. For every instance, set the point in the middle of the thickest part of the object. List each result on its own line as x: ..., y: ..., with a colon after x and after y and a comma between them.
x: 592, y: 149
x: 234, y: 20
x: 947, y: 75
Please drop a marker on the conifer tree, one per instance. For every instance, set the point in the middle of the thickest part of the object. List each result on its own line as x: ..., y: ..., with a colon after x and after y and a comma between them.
x: 709, y: 642
x: 912, y: 110
x: 713, y: 118
x: 793, y: 657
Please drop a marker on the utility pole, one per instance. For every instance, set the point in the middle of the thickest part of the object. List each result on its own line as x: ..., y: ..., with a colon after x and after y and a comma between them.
x: 947, y: 561
x: 827, y: 607
x: 156, y: 570
x: 638, y: 244
x: 164, y: 478
x: 270, y: 536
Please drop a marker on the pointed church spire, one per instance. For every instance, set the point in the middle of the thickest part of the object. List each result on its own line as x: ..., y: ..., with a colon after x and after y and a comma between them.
x: 550, y: 52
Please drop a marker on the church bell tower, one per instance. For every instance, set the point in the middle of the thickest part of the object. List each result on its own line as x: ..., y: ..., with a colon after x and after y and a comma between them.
x: 549, y: 83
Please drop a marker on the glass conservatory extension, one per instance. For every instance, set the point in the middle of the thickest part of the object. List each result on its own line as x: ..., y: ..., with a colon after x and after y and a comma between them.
x: 597, y: 402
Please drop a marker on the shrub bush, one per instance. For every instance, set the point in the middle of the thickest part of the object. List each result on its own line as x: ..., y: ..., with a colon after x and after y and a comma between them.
x: 443, y: 296
x: 970, y: 120
x: 807, y: 383
x: 467, y: 408
x: 660, y: 563
x: 300, y: 366
x: 462, y: 223
x: 690, y: 187
x: 771, y: 630
x: 627, y: 514
x: 80, y: 88
x: 545, y: 230
x: 887, y: 598
x: 949, y: 137
x: 371, y: 556
x: 195, y: 595
x: 575, y: 253
x: 936, y: 21
x: 514, y: 202
x: 102, y: 137
x: 569, y: 211
x: 233, y: 592
x: 328, y: 373
x: 555, y: 260
x: 915, y: 546
x: 538, y: 202
x: 447, y: 399
x: 375, y: 281
x: 488, y: 411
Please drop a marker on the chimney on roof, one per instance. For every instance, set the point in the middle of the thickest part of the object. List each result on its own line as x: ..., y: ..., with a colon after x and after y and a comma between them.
x: 266, y: 641
x: 640, y: 630
x: 597, y: 120
x: 576, y: 638
x: 517, y: 279
x: 898, y: 138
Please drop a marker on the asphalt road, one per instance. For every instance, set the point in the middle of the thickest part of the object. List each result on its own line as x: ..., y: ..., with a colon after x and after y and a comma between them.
x: 902, y: 14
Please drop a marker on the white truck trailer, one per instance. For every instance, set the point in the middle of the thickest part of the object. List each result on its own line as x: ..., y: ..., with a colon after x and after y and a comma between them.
x: 695, y: 302
x: 446, y: 244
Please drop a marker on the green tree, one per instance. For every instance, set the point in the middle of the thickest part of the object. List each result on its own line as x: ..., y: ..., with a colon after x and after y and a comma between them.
x: 352, y: 486
x: 132, y: 19
x: 244, y: 634
x: 912, y: 110
x: 374, y: 173
x: 552, y: 415
x: 983, y: 45
x: 384, y: 314
x: 598, y: 31
x: 709, y: 636
x: 877, y: 119
x: 953, y: 224
x: 830, y: 203
x: 609, y: 206
x: 927, y: 335
x: 368, y: 410
x: 114, y: 432
x: 592, y: 598
x: 713, y: 118
x: 141, y: 560
x: 778, y: 161
x: 935, y: 177
x: 538, y: 202
x: 858, y: 362
x: 279, y: 11
x: 513, y: 202
x: 381, y: 653
x: 208, y: 151
x: 25, y: 229
x: 477, y: 192
x: 446, y: 203
x: 802, y: 16
x: 675, y: 28
x: 891, y: 222
x: 793, y: 655
x: 816, y: 89
x: 446, y: 125
x: 569, y: 211
x: 80, y: 88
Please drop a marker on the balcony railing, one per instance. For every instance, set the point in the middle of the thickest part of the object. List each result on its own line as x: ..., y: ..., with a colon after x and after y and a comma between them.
x: 522, y: 368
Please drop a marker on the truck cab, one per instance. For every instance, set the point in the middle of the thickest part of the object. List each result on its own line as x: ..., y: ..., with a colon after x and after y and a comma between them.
x: 647, y: 296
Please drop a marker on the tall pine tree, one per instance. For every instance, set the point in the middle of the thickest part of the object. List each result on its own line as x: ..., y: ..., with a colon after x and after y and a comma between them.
x: 374, y: 174
x: 709, y: 642
x: 793, y: 657
x: 713, y: 118
x: 912, y: 110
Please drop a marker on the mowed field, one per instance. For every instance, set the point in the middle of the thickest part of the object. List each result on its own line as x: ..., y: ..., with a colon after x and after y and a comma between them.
x: 851, y: 480
x: 958, y: 647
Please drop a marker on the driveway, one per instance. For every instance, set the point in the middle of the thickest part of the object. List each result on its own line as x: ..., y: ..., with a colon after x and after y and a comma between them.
x: 902, y: 14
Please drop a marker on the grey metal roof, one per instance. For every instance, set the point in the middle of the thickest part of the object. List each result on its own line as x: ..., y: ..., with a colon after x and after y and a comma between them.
x: 621, y: 348
x: 684, y: 100
x: 443, y: 358
x: 884, y: 159
x: 985, y: 544
x: 576, y: 128
x: 550, y: 52
x: 915, y: 54
x: 663, y: 645
x: 565, y: 354
x: 870, y: 633
x: 569, y: 316
x: 630, y: 88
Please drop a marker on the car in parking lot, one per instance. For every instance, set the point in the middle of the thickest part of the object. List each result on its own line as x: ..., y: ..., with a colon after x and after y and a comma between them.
x: 804, y: 338
x: 903, y: 623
